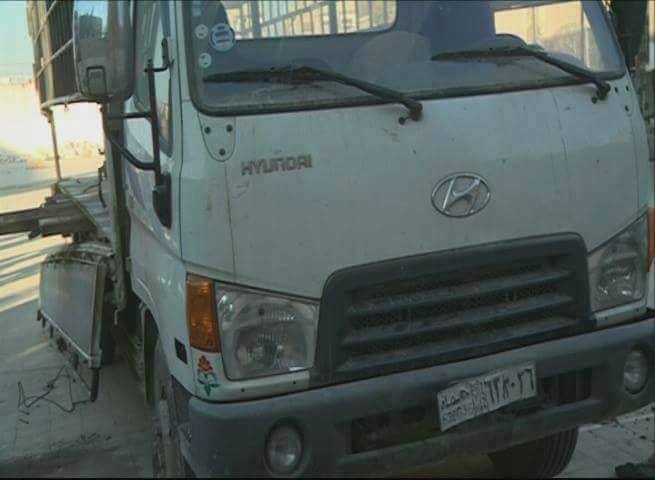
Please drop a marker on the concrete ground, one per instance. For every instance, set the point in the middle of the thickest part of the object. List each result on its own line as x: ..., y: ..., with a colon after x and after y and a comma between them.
x: 111, y: 437
x: 107, y: 438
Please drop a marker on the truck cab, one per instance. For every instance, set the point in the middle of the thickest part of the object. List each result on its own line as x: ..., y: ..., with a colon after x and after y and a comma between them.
x: 360, y: 237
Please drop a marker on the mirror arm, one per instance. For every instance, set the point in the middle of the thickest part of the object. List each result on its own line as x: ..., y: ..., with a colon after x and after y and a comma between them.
x: 154, y: 120
x: 115, y: 144
x: 128, y: 116
x: 160, y: 69
x: 161, y: 194
x: 151, y: 115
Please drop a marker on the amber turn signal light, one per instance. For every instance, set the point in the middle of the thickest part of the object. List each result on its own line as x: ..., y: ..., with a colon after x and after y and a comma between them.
x: 201, y: 314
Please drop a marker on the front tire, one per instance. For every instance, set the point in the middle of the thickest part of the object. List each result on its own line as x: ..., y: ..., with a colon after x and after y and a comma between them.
x: 543, y: 458
x: 167, y: 459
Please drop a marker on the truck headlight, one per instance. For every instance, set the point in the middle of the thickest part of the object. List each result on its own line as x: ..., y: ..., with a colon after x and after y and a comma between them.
x: 264, y: 334
x: 617, y: 269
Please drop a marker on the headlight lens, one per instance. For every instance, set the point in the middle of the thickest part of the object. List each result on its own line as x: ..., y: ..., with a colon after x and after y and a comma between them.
x: 617, y: 270
x: 265, y: 335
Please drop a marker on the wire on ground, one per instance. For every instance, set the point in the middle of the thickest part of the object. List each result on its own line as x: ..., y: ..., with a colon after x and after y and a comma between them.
x: 27, y: 402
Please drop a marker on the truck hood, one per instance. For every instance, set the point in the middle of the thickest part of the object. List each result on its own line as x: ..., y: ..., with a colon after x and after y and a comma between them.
x: 313, y: 192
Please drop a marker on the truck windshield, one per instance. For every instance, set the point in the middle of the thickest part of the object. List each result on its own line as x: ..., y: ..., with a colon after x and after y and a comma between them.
x: 387, y: 43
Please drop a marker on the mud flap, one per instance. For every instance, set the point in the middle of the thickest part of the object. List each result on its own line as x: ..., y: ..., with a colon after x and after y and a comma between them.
x: 72, y: 296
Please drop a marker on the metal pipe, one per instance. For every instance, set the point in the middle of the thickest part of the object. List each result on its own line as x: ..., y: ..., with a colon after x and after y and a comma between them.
x: 120, y: 148
x: 66, y: 46
x: 332, y: 8
x: 45, y: 19
x: 256, y: 21
x: 154, y: 120
x: 55, y: 148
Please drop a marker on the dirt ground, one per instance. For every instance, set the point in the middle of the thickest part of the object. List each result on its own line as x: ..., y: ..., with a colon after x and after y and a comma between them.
x: 107, y: 438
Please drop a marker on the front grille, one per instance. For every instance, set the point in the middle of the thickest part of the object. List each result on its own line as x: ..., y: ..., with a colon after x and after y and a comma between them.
x: 443, y: 307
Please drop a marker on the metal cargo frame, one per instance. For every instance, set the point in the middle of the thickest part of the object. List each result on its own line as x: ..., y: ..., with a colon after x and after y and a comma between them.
x: 99, y: 200
x: 50, y: 25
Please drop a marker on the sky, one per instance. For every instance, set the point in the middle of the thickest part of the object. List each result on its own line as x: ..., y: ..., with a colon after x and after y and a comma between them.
x: 16, y: 52
x: 25, y: 131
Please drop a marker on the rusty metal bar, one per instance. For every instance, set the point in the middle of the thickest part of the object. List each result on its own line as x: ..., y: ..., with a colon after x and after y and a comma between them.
x: 66, y: 100
x: 55, y: 148
x: 28, y: 220
x: 63, y: 225
x: 46, y: 63
x: 44, y: 21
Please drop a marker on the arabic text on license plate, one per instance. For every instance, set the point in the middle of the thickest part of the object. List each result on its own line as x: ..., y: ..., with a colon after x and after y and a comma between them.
x: 477, y: 396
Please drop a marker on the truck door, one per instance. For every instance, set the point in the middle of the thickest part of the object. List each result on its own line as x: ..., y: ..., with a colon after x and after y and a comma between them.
x: 152, y: 24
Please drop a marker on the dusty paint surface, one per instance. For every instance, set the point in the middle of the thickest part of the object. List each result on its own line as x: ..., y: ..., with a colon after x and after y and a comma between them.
x: 111, y: 437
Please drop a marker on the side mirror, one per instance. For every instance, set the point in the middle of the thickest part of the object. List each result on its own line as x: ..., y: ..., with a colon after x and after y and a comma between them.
x: 103, y: 49
x: 104, y: 62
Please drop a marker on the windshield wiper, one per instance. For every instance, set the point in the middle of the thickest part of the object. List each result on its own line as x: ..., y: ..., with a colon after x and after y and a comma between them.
x: 602, y: 87
x: 307, y: 74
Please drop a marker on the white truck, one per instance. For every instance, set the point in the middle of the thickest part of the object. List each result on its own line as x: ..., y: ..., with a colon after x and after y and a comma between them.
x: 352, y: 237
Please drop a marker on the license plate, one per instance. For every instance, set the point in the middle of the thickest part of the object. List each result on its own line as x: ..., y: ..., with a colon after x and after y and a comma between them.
x: 480, y: 395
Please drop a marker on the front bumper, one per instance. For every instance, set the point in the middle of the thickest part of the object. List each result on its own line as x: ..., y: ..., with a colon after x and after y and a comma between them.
x: 230, y: 439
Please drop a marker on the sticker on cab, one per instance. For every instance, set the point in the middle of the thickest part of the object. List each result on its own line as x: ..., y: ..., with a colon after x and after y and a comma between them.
x: 206, y: 376
x: 204, y: 60
x: 201, y: 31
x: 222, y: 37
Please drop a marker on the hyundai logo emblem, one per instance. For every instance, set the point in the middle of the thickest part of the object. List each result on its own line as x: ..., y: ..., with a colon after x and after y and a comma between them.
x: 461, y: 195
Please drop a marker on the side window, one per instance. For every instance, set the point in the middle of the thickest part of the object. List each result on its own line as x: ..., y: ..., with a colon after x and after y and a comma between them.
x: 152, y: 26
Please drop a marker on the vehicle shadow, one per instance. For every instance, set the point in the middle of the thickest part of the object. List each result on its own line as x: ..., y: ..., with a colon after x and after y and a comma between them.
x: 473, y: 466
x: 7, y: 190
x: 16, y: 266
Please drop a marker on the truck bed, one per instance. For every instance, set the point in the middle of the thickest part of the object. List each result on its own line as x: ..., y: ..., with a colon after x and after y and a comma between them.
x: 92, y: 197
x: 78, y: 205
